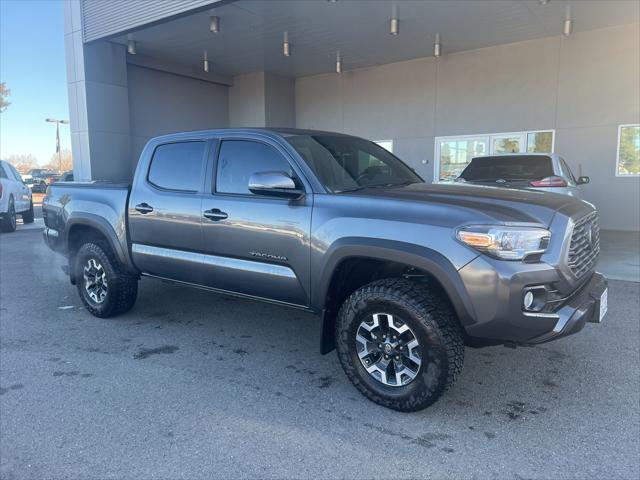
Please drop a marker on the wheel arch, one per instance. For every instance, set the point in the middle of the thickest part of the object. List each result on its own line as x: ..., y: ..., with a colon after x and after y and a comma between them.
x: 85, y: 225
x: 395, y: 258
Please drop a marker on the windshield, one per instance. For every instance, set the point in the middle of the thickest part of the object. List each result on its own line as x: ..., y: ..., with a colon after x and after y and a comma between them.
x: 345, y: 163
x: 507, y: 167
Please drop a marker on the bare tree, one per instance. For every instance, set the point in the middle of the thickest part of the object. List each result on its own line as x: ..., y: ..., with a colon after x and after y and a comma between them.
x: 23, y: 162
x: 4, y: 93
x: 64, y: 163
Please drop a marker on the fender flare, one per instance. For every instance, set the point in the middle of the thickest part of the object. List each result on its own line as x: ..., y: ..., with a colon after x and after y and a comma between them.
x: 105, y: 228
x: 423, y: 258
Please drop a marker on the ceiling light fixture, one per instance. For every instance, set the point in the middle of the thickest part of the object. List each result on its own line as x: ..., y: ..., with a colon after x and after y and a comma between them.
x: 214, y: 25
x: 205, y: 62
x: 286, y: 46
x: 338, y: 63
x: 394, y: 24
x: 131, y: 47
x: 437, y: 46
x: 567, y: 28
x: 543, y: 2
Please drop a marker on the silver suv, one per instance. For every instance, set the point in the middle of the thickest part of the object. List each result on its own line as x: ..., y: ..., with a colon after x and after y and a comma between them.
x: 540, y: 171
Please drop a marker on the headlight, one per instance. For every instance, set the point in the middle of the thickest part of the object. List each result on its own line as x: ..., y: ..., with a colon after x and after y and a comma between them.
x: 506, y: 243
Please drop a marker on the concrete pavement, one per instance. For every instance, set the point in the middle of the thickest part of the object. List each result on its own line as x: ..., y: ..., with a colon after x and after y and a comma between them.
x: 191, y: 384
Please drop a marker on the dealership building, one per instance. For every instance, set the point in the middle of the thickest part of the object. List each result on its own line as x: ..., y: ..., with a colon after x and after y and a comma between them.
x: 436, y: 82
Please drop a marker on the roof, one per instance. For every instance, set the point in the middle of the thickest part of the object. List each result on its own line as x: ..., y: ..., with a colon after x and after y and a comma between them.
x: 280, y: 132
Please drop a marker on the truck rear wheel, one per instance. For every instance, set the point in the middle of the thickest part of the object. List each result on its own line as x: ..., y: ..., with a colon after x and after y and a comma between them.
x: 8, y: 222
x: 105, y: 287
x: 399, y: 343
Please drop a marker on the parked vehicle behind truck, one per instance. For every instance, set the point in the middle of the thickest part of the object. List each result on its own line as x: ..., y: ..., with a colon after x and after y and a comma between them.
x: 403, y: 274
x: 15, y: 198
x: 539, y: 171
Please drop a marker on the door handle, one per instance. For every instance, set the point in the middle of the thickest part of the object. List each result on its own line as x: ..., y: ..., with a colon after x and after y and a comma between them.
x: 215, y: 214
x: 144, y: 208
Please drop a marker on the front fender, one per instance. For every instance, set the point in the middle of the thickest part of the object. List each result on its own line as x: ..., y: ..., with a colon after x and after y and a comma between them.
x: 420, y: 257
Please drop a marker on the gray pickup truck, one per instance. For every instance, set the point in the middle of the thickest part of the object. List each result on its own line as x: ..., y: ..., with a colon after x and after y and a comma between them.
x: 403, y: 274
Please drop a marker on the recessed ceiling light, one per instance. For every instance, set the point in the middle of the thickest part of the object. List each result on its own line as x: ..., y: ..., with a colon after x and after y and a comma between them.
x: 543, y: 2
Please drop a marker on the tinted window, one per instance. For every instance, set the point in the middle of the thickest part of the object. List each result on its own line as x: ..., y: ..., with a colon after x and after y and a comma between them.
x: 16, y: 174
x: 508, y: 167
x: 178, y: 166
x: 238, y: 159
x: 3, y: 174
x: 344, y: 163
x: 567, y: 171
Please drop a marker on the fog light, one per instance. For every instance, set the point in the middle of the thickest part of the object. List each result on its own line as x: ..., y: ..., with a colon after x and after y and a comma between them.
x: 528, y: 300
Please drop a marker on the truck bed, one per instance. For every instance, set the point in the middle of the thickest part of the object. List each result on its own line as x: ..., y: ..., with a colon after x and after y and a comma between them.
x: 69, y: 205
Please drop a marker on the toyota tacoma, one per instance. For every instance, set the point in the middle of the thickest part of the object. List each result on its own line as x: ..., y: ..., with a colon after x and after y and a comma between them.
x: 403, y: 274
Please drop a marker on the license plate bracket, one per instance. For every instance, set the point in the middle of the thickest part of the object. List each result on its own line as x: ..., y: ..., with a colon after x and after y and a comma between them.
x: 603, y: 305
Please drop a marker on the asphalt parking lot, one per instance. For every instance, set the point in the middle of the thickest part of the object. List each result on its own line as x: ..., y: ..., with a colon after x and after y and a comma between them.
x: 191, y: 384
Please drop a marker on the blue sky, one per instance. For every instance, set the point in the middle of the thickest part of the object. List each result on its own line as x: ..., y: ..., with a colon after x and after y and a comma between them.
x: 32, y: 66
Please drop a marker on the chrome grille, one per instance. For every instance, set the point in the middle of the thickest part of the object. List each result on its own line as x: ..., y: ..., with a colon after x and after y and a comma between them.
x: 585, y: 245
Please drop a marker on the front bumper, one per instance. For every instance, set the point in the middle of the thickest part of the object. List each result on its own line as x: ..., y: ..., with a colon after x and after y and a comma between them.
x: 495, y: 289
x: 581, y: 308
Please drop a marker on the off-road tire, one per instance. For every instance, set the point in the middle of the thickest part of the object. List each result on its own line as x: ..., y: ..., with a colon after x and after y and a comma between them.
x: 122, y: 285
x: 8, y: 223
x: 432, y: 319
x: 28, y: 216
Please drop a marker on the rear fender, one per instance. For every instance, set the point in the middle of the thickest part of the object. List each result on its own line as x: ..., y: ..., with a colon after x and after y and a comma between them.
x: 105, y: 228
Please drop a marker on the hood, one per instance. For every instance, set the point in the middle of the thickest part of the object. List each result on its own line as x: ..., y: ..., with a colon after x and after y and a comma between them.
x: 463, y: 203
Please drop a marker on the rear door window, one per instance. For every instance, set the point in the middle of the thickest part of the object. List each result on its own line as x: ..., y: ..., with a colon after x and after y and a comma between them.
x: 508, y: 167
x: 3, y: 173
x: 178, y: 166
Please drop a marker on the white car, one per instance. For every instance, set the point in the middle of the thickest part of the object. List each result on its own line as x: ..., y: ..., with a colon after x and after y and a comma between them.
x: 15, y: 198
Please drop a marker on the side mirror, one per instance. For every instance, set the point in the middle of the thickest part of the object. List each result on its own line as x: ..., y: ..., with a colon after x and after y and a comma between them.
x: 274, y: 184
x: 583, y: 180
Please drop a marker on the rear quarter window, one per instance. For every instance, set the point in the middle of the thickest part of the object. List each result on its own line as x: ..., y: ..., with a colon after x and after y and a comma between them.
x: 508, y: 167
x: 177, y: 166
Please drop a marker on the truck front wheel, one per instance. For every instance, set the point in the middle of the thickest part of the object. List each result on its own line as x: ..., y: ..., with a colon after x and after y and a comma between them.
x: 105, y: 287
x: 399, y: 343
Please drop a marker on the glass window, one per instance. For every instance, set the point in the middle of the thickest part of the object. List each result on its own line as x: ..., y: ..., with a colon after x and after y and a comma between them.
x: 386, y: 144
x: 15, y: 173
x: 540, y: 142
x: 567, y: 173
x: 239, y: 159
x: 3, y: 174
x: 628, y: 161
x: 508, y: 167
x: 455, y: 155
x: 345, y: 163
x: 178, y: 166
x: 507, y: 144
